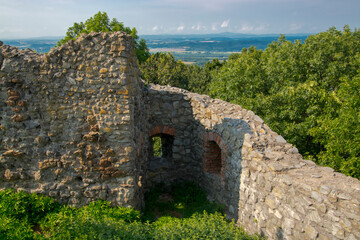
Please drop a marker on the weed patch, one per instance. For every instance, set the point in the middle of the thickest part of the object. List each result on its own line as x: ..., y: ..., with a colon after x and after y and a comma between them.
x: 180, y: 200
x: 182, y: 212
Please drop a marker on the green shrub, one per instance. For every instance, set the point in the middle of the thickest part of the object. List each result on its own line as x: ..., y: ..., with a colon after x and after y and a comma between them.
x: 87, y: 228
x: 199, y: 226
x: 188, y: 192
x: 101, y: 209
x: 14, y: 229
x: 24, y: 206
x: 193, y: 199
x: 22, y: 213
x: 186, y: 198
x: 98, y: 220
x: 95, y: 221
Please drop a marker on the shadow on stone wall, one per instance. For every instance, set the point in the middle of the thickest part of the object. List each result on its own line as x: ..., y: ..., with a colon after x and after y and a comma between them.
x: 197, y: 122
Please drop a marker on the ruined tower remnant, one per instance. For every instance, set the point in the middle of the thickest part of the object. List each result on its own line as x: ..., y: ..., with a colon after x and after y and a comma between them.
x: 77, y: 124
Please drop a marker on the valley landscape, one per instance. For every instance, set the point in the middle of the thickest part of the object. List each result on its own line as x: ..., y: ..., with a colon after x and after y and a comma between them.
x: 189, y: 48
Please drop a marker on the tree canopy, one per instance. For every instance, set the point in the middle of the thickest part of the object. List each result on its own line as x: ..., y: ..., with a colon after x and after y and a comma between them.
x: 306, y: 91
x: 162, y: 68
x: 100, y: 22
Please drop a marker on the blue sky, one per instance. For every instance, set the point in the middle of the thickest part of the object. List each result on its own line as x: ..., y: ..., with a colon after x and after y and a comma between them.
x: 37, y: 18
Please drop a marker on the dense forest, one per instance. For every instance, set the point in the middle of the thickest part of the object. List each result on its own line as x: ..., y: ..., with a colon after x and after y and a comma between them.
x: 307, y: 91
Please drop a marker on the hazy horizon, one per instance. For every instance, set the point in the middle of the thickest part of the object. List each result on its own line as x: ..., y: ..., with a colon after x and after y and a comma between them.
x: 38, y: 18
x: 166, y: 34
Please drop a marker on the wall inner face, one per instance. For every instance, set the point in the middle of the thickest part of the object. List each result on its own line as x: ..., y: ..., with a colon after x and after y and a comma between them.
x: 212, y: 157
x: 77, y: 124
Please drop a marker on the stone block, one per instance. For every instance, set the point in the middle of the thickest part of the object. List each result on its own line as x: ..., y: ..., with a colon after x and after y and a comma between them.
x: 311, y: 232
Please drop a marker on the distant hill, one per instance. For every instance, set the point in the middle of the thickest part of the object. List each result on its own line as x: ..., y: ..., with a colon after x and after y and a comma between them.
x: 39, y: 44
x: 190, y: 48
x: 200, y: 48
x: 221, y: 42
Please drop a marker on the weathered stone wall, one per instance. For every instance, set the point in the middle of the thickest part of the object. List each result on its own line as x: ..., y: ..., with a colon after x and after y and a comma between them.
x: 71, y: 120
x: 286, y: 197
x: 196, y: 119
x: 172, y: 109
x: 77, y: 124
x: 263, y: 181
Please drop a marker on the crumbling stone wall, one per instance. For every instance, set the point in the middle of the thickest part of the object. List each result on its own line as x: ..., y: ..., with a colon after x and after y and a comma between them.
x: 199, y: 122
x: 72, y: 121
x: 77, y: 123
x: 286, y: 197
x: 263, y: 180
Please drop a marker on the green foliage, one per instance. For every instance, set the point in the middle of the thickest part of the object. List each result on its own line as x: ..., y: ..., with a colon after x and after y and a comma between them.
x: 240, y: 79
x: 163, y: 69
x: 25, y: 207
x: 157, y: 146
x: 97, y: 211
x: 179, y: 200
x: 101, y: 209
x: 308, y: 92
x: 340, y: 135
x: 20, y: 212
x: 188, y: 193
x: 99, y: 220
x: 14, y: 229
x: 198, y: 226
x: 100, y: 22
x: 200, y: 78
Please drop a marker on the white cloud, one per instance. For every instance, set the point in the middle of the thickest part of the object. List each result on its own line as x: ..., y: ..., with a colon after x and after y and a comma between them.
x: 198, y: 27
x: 155, y: 28
x: 225, y: 23
x: 180, y: 28
x: 213, y: 27
x: 261, y: 28
x: 251, y: 28
x: 295, y: 27
x: 246, y: 28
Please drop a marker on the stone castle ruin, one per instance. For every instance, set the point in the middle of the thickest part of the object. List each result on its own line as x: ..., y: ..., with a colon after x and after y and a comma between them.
x: 77, y: 124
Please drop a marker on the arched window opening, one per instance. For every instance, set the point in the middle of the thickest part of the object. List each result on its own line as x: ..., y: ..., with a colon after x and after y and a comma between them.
x: 162, y: 145
x: 212, y: 157
x: 161, y: 139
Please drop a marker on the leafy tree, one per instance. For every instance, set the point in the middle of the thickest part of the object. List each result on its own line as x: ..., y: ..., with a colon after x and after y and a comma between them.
x: 308, y: 92
x: 162, y: 68
x: 201, y: 77
x: 339, y: 128
x: 100, y: 22
x: 240, y: 79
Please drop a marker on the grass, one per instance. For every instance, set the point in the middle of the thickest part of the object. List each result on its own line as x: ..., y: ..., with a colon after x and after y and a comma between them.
x: 180, y: 211
x: 180, y: 200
